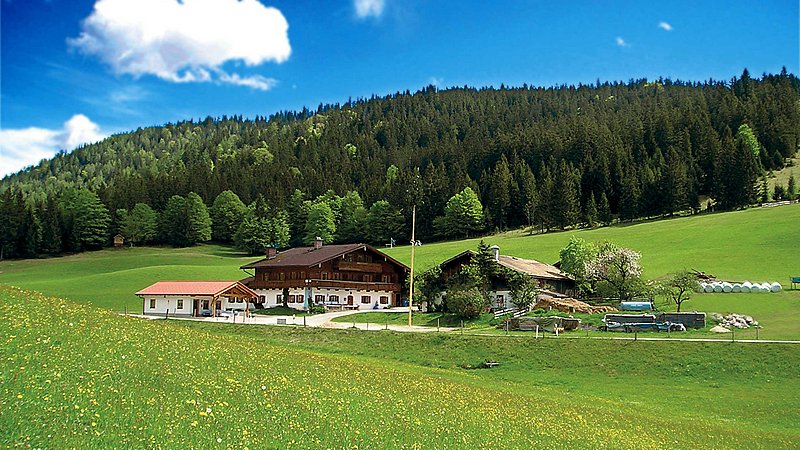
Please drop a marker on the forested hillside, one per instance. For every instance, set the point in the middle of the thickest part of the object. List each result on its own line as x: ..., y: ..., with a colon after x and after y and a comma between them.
x: 470, y: 159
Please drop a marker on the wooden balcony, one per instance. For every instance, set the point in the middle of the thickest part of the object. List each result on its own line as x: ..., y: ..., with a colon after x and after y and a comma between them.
x: 359, y: 266
x: 330, y: 284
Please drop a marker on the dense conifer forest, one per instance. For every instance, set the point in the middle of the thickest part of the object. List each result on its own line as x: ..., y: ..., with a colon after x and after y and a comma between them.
x: 471, y: 160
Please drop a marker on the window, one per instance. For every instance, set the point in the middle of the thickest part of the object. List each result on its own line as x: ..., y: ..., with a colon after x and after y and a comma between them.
x: 282, y: 276
x: 337, y: 276
x: 366, y: 299
x: 319, y: 298
x: 152, y: 303
x: 333, y: 299
x: 367, y: 278
x: 384, y: 300
x: 302, y: 275
x: 262, y: 298
x: 294, y: 276
x: 501, y: 299
x: 360, y: 258
x: 324, y: 275
x: 180, y: 303
x: 385, y: 278
x: 279, y: 298
x: 292, y: 298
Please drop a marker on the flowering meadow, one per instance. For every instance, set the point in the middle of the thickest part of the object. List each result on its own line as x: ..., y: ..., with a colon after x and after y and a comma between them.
x: 74, y: 376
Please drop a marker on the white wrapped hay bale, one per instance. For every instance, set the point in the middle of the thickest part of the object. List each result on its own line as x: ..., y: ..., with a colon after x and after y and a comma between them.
x: 775, y: 287
x: 763, y: 288
x: 727, y: 287
x: 747, y: 286
x: 717, y: 287
x: 767, y: 287
x: 709, y: 287
x: 701, y: 287
x: 737, y: 287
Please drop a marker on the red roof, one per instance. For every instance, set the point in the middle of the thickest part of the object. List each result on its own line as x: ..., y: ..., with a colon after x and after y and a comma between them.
x: 210, y: 288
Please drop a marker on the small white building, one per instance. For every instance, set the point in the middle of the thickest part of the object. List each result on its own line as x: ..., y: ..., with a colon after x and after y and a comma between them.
x: 196, y: 298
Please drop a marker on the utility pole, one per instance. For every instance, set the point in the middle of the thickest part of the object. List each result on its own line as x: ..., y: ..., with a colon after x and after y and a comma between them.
x: 413, y: 244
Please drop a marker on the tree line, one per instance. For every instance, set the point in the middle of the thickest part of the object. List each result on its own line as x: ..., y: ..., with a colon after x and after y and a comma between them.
x: 471, y: 160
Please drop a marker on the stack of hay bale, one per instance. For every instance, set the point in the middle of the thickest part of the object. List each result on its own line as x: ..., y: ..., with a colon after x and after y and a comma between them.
x: 726, y: 287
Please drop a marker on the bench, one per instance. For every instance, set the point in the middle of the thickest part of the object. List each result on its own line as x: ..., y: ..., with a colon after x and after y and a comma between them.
x: 795, y: 281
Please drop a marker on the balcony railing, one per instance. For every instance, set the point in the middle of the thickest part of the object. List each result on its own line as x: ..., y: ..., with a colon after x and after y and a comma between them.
x: 354, y: 266
x: 330, y: 284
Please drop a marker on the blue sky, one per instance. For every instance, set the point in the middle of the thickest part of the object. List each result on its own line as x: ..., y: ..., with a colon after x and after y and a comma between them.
x: 74, y: 71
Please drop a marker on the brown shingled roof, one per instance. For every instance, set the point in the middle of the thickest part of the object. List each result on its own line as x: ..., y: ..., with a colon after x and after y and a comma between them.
x: 309, y: 256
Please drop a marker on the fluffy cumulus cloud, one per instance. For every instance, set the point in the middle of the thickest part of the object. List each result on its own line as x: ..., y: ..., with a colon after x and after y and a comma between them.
x: 368, y: 8
x: 23, y: 147
x: 665, y: 26
x: 621, y: 42
x: 186, y: 41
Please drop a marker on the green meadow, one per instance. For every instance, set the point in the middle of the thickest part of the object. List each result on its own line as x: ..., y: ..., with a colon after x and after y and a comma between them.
x: 77, y: 376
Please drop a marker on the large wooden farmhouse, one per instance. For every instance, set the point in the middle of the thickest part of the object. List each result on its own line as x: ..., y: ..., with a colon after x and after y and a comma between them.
x: 549, y: 278
x: 347, y: 276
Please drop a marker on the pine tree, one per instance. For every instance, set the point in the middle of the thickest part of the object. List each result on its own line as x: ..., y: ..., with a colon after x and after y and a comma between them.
x: 31, y: 233
x: 384, y: 223
x: 629, y: 201
x: 791, y: 188
x: 566, y: 195
x: 12, y: 211
x: 591, y: 212
x: 604, y: 210
x: 86, y: 220
x: 51, y: 227
x: 499, y: 193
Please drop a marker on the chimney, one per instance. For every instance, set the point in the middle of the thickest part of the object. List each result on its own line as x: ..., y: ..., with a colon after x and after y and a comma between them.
x: 271, y: 252
x: 496, y: 251
x: 317, y: 243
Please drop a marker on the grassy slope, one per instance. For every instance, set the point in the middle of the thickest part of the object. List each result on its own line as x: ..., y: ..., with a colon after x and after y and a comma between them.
x: 89, y: 379
x: 108, y: 278
x: 759, y: 245
x: 756, y: 244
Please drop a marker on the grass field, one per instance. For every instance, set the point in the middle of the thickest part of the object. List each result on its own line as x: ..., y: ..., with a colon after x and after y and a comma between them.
x: 76, y: 376
x: 758, y: 244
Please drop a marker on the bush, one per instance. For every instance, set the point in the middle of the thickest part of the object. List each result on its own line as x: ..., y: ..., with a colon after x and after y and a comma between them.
x: 466, y: 303
x: 316, y: 309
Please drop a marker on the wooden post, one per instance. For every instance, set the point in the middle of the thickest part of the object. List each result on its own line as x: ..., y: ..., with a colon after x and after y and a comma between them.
x: 462, y: 327
x: 437, y: 324
x: 413, y: 244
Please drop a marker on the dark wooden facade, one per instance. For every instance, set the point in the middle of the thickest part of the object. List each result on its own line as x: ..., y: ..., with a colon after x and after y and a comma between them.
x: 352, y: 266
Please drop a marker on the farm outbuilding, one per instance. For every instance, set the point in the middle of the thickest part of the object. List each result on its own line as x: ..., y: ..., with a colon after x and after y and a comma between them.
x: 195, y: 298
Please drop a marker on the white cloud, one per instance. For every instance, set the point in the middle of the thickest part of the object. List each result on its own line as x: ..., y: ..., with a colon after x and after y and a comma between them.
x: 436, y: 81
x: 185, y: 41
x: 23, y: 147
x: 665, y: 26
x: 367, y: 8
x: 621, y: 42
